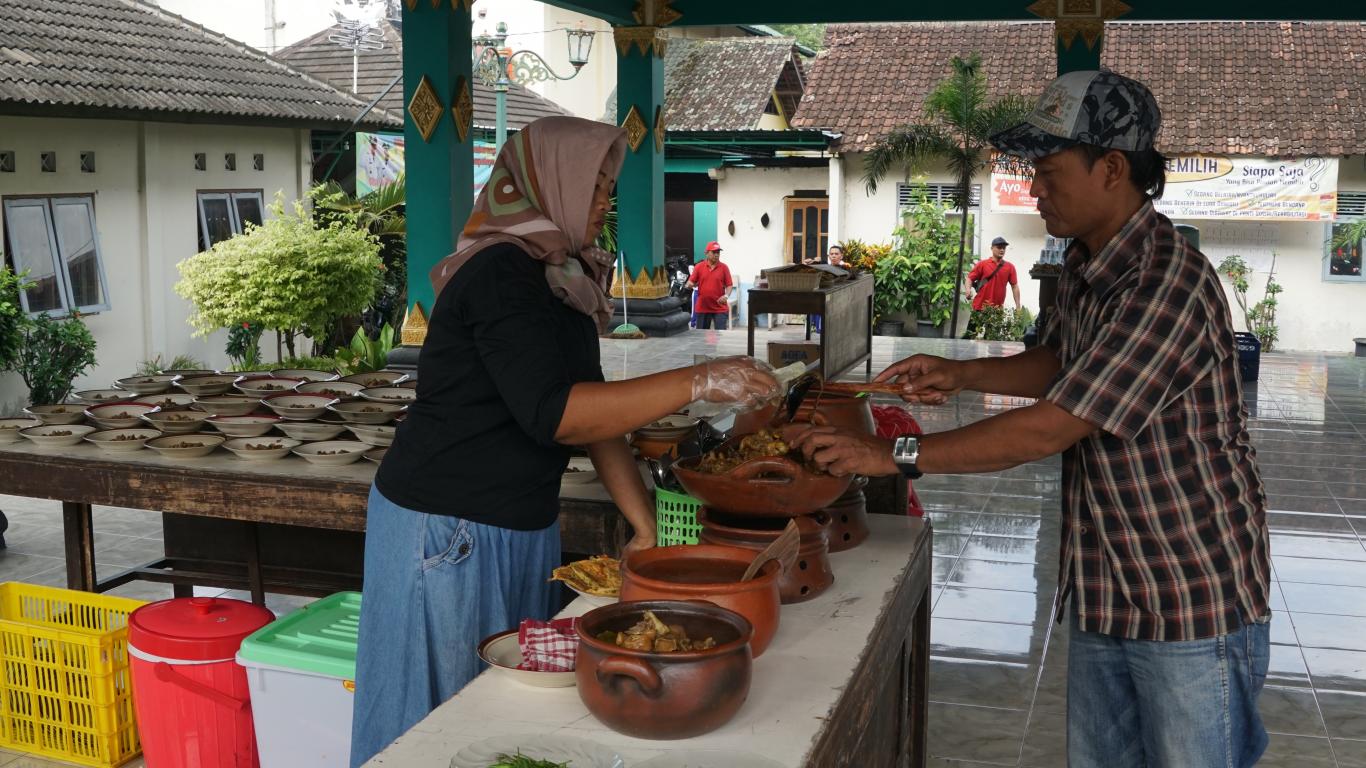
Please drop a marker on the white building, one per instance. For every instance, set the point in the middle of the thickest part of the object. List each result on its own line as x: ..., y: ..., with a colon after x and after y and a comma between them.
x: 174, y: 140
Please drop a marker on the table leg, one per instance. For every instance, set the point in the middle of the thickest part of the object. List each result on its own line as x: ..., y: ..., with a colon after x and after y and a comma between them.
x: 868, y: 368
x: 920, y: 682
x: 78, y: 529
x: 254, y: 579
x: 750, y: 349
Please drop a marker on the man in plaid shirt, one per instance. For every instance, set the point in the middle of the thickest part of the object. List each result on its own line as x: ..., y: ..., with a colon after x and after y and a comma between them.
x: 1165, y: 555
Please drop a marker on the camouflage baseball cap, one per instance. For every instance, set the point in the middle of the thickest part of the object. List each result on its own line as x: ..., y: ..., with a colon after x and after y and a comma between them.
x: 1087, y: 107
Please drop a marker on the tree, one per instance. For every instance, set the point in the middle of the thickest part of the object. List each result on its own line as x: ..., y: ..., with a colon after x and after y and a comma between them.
x: 810, y: 35
x: 382, y: 212
x: 959, y: 120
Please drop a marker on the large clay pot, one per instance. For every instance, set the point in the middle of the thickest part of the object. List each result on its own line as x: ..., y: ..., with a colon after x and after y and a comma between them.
x: 834, y: 410
x: 810, y: 575
x: 664, y: 695
x: 711, y: 573
x: 767, y: 487
x: 847, y: 519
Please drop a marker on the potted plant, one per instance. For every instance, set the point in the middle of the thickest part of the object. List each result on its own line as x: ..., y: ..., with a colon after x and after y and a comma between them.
x: 12, y: 317
x: 927, y: 243
x: 892, y: 294
x: 52, y: 353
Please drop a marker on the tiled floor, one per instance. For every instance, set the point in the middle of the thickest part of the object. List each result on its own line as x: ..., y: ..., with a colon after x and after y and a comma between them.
x: 999, y: 669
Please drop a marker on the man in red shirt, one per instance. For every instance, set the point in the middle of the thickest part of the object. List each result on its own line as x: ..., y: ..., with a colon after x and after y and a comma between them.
x: 994, y: 275
x: 712, y: 280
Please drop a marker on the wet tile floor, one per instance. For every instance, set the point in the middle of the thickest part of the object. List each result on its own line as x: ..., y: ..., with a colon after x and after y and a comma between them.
x: 998, y: 671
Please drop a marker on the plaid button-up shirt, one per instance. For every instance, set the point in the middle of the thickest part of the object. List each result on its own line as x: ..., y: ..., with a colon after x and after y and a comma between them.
x: 1164, y: 515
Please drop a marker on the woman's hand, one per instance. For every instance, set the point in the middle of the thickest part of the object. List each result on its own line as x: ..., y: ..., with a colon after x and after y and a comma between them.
x: 640, y: 542
x: 738, y: 379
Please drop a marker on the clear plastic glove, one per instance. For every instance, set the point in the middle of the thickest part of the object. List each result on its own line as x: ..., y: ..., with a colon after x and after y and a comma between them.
x: 741, y: 380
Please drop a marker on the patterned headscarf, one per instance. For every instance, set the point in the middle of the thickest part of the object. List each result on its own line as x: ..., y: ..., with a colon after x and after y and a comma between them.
x: 538, y: 198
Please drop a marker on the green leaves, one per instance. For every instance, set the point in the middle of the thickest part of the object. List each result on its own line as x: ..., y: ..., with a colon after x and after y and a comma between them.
x: 365, y: 354
x: 52, y: 353
x: 1260, y: 318
x: 289, y: 273
x: 12, y: 317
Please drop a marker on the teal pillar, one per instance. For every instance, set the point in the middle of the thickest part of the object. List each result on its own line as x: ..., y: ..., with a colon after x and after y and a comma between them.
x: 440, y: 165
x: 640, y: 189
x: 1078, y: 56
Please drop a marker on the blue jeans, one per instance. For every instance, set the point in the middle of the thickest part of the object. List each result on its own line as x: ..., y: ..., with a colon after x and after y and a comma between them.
x: 706, y: 319
x: 1147, y: 704
x: 434, y: 587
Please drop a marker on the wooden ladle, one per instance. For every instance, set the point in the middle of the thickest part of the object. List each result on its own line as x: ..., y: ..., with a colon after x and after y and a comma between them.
x: 783, y: 549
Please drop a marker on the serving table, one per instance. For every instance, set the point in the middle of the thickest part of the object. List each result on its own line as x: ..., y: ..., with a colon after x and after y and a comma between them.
x: 842, y: 684
x: 846, y: 309
x: 284, y: 526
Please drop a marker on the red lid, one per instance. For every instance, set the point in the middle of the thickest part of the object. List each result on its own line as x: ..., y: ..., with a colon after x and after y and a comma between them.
x: 195, y: 628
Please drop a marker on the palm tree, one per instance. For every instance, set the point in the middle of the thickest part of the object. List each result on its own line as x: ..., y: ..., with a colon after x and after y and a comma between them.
x: 959, y: 119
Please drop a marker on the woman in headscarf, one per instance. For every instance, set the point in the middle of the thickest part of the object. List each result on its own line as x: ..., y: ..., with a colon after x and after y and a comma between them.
x: 461, y: 531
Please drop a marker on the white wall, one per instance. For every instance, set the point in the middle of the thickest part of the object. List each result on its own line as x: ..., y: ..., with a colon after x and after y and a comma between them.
x: 146, y: 217
x: 744, y: 196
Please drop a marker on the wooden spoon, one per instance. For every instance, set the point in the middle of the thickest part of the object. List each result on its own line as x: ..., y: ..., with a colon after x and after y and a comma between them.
x: 783, y: 549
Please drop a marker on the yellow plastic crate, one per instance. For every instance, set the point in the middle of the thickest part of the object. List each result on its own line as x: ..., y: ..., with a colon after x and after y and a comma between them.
x: 66, y: 691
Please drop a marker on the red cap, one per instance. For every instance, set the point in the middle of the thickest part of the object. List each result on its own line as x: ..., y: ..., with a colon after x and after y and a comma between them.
x: 195, y: 628
x: 713, y: 246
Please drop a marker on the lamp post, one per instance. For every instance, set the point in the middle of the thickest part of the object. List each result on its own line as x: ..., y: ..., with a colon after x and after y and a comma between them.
x: 499, y: 69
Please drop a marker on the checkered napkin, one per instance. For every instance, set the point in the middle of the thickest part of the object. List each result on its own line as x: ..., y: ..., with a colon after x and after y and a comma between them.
x: 548, y: 646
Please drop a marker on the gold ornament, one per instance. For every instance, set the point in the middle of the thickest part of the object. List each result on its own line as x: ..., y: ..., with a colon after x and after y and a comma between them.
x: 647, y: 40
x: 1079, y: 17
x: 425, y: 108
x: 659, y: 129
x: 466, y: 4
x: 648, y: 284
x: 412, y: 4
x: 655, y: 13
x: 463, y: 108
x: 635, y: 128
x: 414, y: 326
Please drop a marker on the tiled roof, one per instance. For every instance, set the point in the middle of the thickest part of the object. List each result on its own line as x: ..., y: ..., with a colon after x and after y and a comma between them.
x: 725, y: 83
x: 125, y: 58
x: 1255, y: 88
x: 328, y: 61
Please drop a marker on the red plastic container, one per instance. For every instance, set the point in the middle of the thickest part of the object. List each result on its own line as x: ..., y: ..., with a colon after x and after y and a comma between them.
x: 193, y: 706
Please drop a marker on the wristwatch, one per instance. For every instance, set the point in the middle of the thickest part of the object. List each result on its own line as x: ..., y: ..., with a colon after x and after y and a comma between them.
x: 906, y: 452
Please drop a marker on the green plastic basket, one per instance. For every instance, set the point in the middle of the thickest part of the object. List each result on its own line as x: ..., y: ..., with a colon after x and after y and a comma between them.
x: 676, y: 518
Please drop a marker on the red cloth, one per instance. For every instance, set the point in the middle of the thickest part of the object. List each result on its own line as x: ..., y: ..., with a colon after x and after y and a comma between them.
x: 894, y: 421
x: 548, y: 646
x: 994, y: 289
x: 711, y: 282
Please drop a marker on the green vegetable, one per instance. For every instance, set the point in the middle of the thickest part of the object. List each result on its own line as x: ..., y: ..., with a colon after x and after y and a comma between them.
x: 522, y: 761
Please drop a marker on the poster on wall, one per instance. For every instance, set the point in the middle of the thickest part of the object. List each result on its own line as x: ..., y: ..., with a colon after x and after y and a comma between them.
x: 1215, y: 187
x: 379, y: 161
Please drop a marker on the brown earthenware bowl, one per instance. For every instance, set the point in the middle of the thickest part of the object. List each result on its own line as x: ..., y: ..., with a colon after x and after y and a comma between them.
x: 834, y: 410
x: 775, y: 486
x: 664, y: 695
x: 711, y: 573
x: 809, y: 576
x: 847, y: 518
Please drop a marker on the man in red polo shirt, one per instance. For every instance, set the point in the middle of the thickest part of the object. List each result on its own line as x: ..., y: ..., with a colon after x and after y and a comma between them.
x: 988, y: 281
x: 712, y: 280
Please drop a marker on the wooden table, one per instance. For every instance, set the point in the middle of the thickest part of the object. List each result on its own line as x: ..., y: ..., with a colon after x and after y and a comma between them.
x: 842, y: 685
x: 282, y: 526
x: 846, y: 309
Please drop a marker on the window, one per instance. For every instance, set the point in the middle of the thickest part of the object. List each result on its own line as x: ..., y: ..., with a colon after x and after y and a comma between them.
x: 1342, y: 260
x: 907, y: 194
x: 54, y: 239
x: 224, y: 214
x: 808, y: 228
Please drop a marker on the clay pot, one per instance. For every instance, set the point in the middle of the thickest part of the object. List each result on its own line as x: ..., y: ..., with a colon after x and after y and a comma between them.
x: 847, y: 519
x: 810, y: 576
x: 664, y: 695
x: 711, y: 573
x: 835, y: 410
x: 655, y: 449
x: 767, y: 487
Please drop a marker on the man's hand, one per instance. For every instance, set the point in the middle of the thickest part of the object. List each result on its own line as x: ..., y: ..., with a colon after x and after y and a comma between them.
x: 842, y: 451
x: 926, y: 378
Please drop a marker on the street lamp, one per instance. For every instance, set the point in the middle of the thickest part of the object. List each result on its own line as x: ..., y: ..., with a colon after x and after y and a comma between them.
x: 499, y: 68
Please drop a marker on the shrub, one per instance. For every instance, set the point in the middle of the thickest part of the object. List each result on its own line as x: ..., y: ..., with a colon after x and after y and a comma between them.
x: 52, y: 354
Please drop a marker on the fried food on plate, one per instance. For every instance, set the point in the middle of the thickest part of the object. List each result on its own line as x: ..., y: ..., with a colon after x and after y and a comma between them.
x: 600, y: 576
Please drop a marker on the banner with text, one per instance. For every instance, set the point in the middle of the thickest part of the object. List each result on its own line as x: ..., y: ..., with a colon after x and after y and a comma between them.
x: 1214, y: 187
x: 379, y: 161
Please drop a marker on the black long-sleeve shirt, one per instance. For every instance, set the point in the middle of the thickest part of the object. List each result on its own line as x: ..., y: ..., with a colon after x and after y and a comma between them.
x: 494, y: 375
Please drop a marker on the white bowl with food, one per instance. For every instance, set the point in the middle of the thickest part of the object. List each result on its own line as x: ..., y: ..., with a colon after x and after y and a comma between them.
x: 389, y: 395
x: 208, y: 384
x: 373, y: 379
x: 99, y: 396
x: 365, y: 412
x: 332, y: 453
x: 545, y: 748
x: 345, y: 391
x: 243, y: 426
x: 675, y: 426
x: 119, y: 415
x: 310, y: 431
x: 56, y: 435
x: 185, y: 373
x: 9, y: 428
x: 502, y: 652
x: 167, y: 401
x: 378, y: 435
x: 376, y: 454
x: 176, y: 422
x: 226, y: 405
x: 297, y: 407
x: 261, y: 448
x: 185, y: 446
x: 263, y: 386
x: 146, y: 385
x: 62, y: 413
x: 597, y: 580
x: 306, y: 375
x: 579, y: 471
x: 122, y: 440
